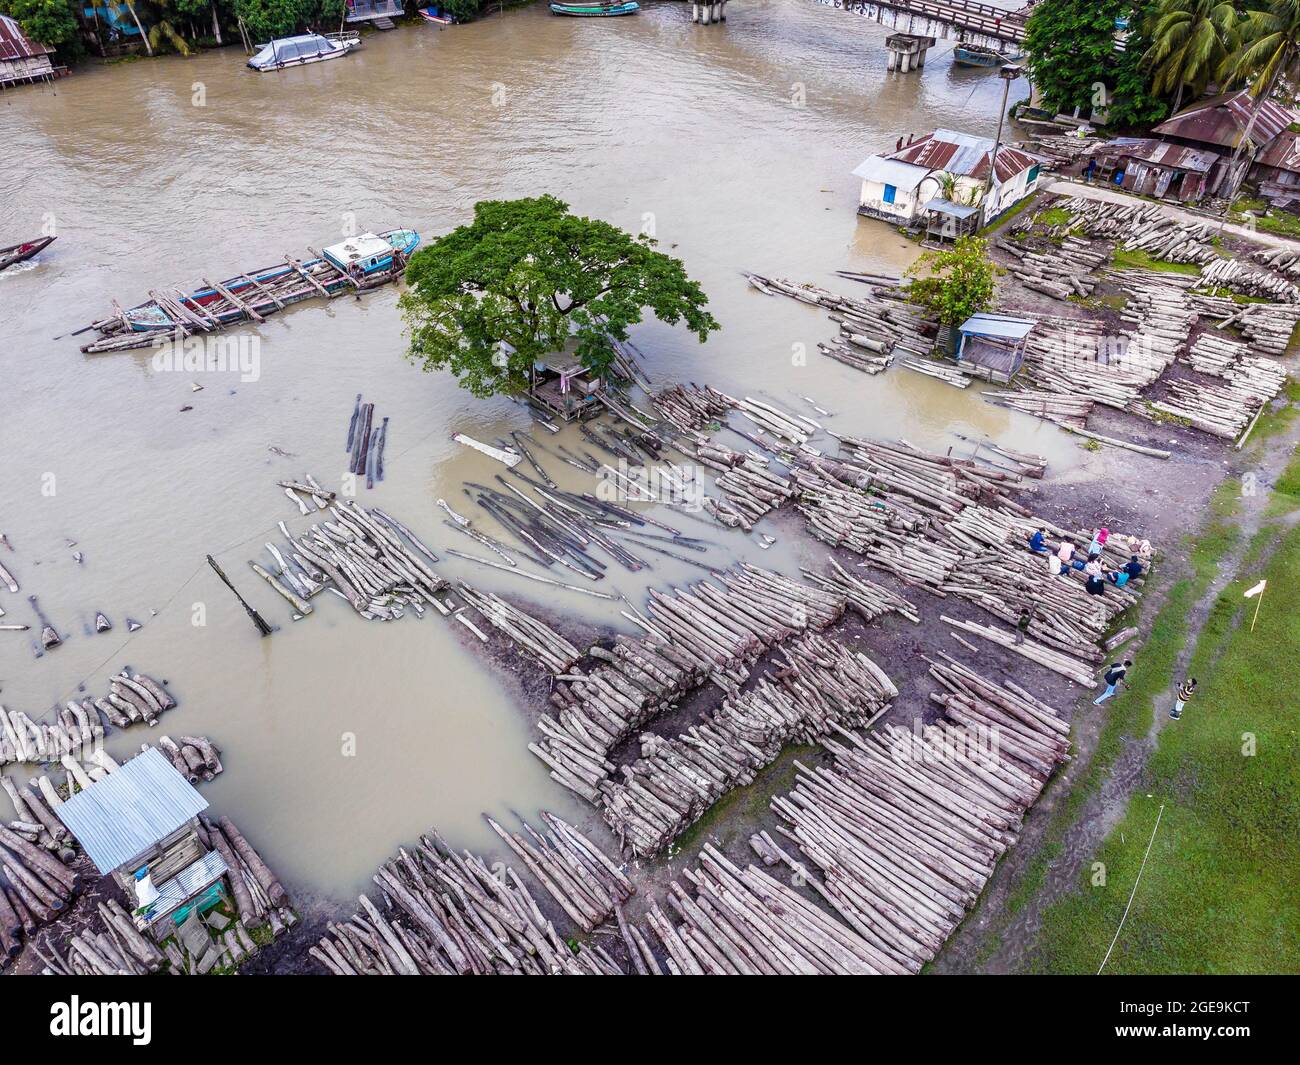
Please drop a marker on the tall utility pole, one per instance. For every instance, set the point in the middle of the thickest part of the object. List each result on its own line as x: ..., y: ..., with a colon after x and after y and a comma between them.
x: 1009, y: 73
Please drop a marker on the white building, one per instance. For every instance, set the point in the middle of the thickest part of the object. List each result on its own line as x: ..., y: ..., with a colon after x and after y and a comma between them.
x: 938, y: 181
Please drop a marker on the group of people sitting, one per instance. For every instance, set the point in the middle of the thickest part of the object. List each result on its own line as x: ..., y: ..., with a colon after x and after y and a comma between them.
x: 1063, y: 558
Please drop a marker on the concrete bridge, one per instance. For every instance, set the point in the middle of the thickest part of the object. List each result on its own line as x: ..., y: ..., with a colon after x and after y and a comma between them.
x: 967, y: 21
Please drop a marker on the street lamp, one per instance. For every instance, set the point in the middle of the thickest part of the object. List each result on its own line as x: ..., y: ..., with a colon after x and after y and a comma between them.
x: 1009, y: 73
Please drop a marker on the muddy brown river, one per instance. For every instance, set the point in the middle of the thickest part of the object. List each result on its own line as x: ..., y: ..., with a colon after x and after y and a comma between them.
x: 735, y: 142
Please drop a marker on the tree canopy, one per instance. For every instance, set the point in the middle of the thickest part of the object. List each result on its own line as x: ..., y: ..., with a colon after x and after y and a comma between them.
x: 1070, y: 50
x: 49, y: 22
x: 951, y: 284
x: 527, y: 277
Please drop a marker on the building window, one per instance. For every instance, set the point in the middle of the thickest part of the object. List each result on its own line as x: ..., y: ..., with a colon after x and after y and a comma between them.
x: 890, y: 192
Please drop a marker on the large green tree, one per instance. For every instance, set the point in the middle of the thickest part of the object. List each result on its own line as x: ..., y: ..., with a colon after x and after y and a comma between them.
x: 527, y: 277
x: 266, y: 19
x: 1190, y: 40
x: 1072, y: 53
x: 49, y: 22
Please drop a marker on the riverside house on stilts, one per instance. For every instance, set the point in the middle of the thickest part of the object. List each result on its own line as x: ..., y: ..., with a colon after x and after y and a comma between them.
x: 21, y: 58
x: 993, y: 345
x: 562, y: 386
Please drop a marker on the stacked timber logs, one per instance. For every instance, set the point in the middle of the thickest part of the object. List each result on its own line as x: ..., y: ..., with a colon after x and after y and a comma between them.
x: 588, y: 886
x: 907, y: 827
x: 366, y: 558
x: 867, y: 598
x: 259, y: 897
x: 749, y: 486
x: 1064, y: 271
x: 877, y: 324
x: 691, y: 409
x: 1223, y: 410
x: 77, y: 729
x: 1217, y: 355
x: 36, y: 884
x: 1268, y: 327
x: 1143, y: 227
x: 539, y: 641
x: 448, y: 914
x: 815, y: 684
x: 194, y: 757
x: 120, y: 949
x: 744, y: 921
x: 1232, y: 274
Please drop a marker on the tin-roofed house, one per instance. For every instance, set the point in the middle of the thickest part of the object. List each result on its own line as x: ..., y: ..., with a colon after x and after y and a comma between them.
x: 1219, y: 124
x: 993, y: 345
x: 21, y: 58
x: 1157, y: 168
x: 140, y: 825
x: 1276, y: 173
x: 938, y: 181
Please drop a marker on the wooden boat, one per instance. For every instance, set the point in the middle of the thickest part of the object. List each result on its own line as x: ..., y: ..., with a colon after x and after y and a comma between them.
x: 306, y: 48
x: 436, y: 14
x: 978, y: 55
x: 354, y: 264
x: 596, y: 10
x: 17, y: 253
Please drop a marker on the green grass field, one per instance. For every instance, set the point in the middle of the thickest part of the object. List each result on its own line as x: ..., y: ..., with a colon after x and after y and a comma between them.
x: 1220, y: 892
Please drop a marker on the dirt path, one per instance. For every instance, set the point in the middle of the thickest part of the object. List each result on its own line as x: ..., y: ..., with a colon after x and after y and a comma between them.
x: 994, y: 940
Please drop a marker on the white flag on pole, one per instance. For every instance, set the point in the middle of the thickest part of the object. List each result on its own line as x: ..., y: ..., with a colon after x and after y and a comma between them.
x: 1257, y: 590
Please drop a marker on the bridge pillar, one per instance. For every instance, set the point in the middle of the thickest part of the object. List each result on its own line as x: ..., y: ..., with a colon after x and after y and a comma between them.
x: 707, y: 12
x: 906, y: 51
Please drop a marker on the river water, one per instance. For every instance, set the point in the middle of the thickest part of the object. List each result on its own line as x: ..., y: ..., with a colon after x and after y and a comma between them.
x: 736, y: 143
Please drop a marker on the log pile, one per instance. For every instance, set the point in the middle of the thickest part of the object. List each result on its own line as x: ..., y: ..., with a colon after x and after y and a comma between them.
x: 539, y: 641
x: 1064, y: 271
x: 867, y: 598
x: 1223, y: 410
x: 906, y: 827
x: 816, y: 684
x: 445, y: 914
x: 1143, y: 227
x: 1268, y: 327
x: 745, y: 921
x: 77, y: 729
x: 36, y: 883
x: 749, y: 486
x: 691, y: 409
x: 876, y: 324
x: 693, y: 635
x: 371, y: 561
x: 194, y: 757
x: 120, y: 949
x: 1234, y: 275
x: 1220, y: 356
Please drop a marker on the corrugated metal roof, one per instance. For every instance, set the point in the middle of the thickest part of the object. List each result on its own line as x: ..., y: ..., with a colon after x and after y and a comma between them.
x: 957, y: 210
x: 891, y: 171
x: 1161, y: 153
x: 998, y: 325
x: 1222, y: 120
x: 187, y: 883
x: 1283, y: 152
x: 131, y: 809
x: 964, y: 154
x: 14, y: 44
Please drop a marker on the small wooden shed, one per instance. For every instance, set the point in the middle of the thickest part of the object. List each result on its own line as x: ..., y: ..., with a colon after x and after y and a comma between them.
x: 564, y: 387
x: 140, y: 825
x: 993, y: 345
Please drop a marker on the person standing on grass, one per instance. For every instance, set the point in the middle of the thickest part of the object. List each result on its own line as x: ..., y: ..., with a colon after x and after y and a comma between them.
x: 1185, y: 691
x: 1113, y: 677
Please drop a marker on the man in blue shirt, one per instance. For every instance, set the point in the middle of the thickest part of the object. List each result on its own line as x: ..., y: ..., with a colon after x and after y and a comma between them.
x: 1038, y: 542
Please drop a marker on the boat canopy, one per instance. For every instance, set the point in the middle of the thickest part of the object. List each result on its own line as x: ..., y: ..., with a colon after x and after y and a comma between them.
x: 291, y: 49
x: 366, y: 250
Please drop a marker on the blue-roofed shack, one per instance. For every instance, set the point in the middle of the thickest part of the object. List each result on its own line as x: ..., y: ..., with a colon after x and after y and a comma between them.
x: 140, y: 825
x: 993, y: 345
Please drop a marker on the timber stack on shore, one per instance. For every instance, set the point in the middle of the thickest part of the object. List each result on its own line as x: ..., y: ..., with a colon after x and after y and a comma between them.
x: 448, y: 914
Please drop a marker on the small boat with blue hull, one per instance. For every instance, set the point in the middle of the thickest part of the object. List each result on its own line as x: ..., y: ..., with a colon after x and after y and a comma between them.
x: 437, y: 15
x: 976, y: 55
x: 596, y: 10
x: 352, y: 265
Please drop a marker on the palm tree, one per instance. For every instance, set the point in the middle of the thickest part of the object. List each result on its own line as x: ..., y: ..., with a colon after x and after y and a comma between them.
x: 139, y: 26
x: 1269, y: 50
x: 1191, y: 39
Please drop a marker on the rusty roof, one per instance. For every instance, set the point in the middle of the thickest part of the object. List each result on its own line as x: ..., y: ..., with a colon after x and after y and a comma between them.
x: 1160, y: 153
x: 1222, y: 120
x: 963, y: 154
x: 1283, y: 152
x: 14, y: 44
